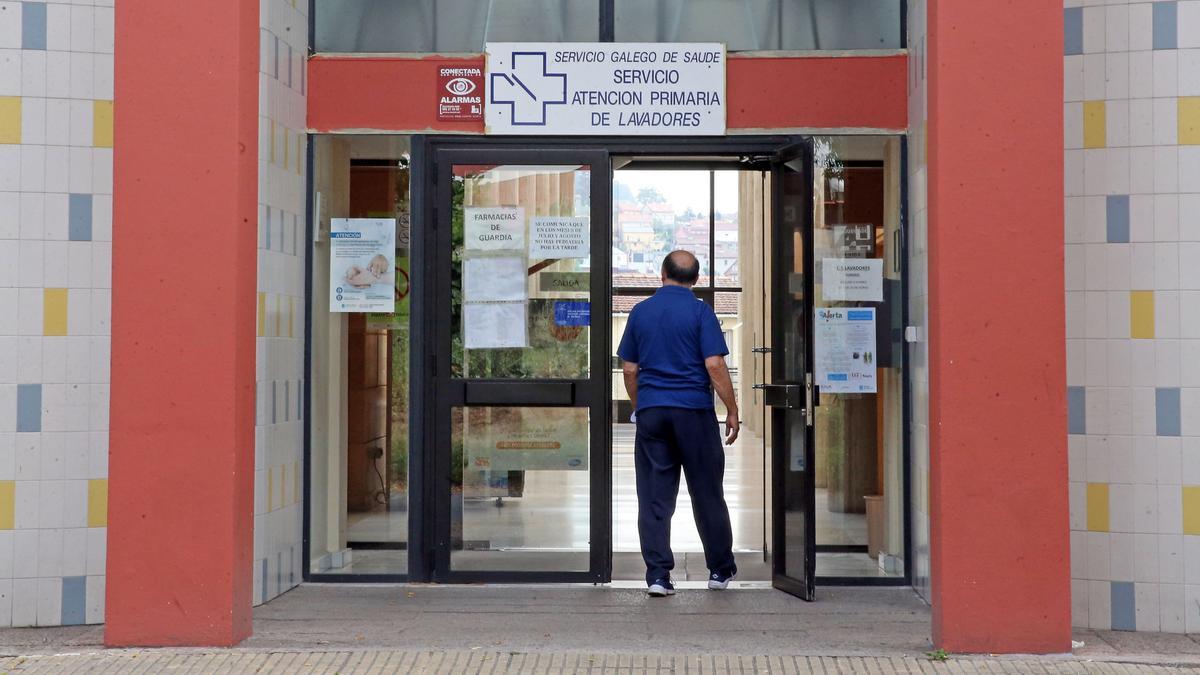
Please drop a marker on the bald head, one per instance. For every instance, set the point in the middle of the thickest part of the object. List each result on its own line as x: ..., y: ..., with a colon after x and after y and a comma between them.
x: 680, y: 267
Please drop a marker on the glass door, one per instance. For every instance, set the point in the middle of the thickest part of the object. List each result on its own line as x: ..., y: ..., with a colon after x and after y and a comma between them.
x: 790, y: 394
x: 521, y: 489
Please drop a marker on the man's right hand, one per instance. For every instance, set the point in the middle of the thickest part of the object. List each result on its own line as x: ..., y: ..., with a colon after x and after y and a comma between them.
x: 732, y: 426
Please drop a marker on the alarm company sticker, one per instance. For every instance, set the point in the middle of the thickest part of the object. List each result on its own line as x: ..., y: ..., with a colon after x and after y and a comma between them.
x: 460, y: 93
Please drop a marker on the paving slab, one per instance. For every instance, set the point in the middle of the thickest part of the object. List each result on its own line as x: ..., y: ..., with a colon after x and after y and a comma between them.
x: 372, y: 628
x: 353, y: 662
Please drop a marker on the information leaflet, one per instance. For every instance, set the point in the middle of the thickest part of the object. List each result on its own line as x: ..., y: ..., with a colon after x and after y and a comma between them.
x: 362, y: 264
x: 845, y: 350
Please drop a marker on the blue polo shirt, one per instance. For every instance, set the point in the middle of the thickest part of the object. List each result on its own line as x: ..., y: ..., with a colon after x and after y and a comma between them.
x: 669, y: 335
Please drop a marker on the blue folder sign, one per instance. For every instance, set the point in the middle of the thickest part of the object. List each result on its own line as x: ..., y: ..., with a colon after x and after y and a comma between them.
x: 572, y: 313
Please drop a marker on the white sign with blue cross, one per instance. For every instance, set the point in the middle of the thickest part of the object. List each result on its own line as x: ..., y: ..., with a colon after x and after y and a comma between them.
x: 605, y: 88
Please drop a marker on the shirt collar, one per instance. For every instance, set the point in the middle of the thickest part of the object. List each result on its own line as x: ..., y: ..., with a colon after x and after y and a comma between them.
x: 674, y: 289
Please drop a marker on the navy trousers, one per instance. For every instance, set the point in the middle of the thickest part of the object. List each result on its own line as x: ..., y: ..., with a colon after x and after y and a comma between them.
x: 670, y: 439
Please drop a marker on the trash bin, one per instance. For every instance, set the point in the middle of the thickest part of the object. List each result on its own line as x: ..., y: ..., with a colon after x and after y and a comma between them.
x: 874, y: 525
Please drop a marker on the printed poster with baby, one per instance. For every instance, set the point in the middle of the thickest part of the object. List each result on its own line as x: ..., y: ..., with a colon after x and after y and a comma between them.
x: 362, y: 264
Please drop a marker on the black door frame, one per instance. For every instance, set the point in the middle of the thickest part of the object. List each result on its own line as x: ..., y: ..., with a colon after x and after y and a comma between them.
x: 447, y: 392
x: 783, y: 259
x: 754, y: 152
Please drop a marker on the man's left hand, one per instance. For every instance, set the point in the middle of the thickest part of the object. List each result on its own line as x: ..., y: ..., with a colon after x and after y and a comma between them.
x: 732, y: 426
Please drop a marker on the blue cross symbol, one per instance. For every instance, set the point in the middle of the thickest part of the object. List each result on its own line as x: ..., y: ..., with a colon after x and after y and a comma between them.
x: 527, y: 89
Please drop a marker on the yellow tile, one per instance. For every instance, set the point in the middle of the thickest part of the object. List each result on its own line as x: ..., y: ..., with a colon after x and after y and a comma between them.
x: 8, y: 496
x: 1097, y: 507
x: 287, y: 146
x: 296, y: 487
x: 262, y: 314
x: 1141, y: 314
x: 278, y: 315
x: 102, y: 124
x: 98, y: 502
x: 1094, y: 125
x: 10, y: 119
x: 1191, y: 509
x: 54, y: 311
x: 299, y: 154
x: 291, y: 316
x: 1189, y: 120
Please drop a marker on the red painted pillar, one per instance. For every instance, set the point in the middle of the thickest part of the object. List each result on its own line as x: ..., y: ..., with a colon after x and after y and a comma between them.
x: 180, y: 534
x: 999, y: 535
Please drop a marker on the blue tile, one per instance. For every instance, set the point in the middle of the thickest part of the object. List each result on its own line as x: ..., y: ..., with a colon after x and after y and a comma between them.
x: 287, y: 401
x: 1073, y: 31
x: 267, y: 245
x: 1165, y: 25
x: 1116, y: 218
x: 1124, y: 606
x: 1076, y: 410
x: 33, y: 25
x: 29, y: 407
x: 274, y: 407
x: 1166, y: 411
x: 79, y: 218
x: 264, y: 579
x: 74, y: 601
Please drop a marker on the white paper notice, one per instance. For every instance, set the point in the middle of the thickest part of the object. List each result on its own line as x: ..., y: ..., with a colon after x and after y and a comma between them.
x: 494, y: 279
x: 494, y: 325
x: 856, y: 279
x: 553, y: 237
x: 362, y: 265
x: 494, y: 228
x: 845, y: 349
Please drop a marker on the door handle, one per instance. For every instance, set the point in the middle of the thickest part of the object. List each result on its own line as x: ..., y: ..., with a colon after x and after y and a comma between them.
x: 782, y: 395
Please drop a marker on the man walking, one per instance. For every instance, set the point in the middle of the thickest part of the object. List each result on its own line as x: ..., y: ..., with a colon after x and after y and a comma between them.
x: 674, y: 353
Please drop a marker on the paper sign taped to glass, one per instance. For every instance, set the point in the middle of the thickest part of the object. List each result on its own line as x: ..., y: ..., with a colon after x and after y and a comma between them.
x: 494, y: 228
x: 558, y: 237
x: 362, y: 262
x: 844, y: 346
x: 526, y: 439
x: 494, y: 325
x: 494, y: 279
x: 852, y: 279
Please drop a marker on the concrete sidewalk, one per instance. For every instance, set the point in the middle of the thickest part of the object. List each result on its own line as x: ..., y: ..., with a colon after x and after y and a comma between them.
x: 524, y: 629
x: 412, y: 661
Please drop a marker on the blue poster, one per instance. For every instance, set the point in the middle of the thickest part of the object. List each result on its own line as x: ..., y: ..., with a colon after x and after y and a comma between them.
x: 572, y: 313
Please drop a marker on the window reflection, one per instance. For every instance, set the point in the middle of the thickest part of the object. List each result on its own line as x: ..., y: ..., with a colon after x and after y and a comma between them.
x: 450, y: 25
x: 763, y: 24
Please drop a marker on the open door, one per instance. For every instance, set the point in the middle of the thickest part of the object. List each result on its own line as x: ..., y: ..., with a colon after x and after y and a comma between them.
x: 790, y: 393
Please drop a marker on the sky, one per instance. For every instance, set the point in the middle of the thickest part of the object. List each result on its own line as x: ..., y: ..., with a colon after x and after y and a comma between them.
x: 684, y: 189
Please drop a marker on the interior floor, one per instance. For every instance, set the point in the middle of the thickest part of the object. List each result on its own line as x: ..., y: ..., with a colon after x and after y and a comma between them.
x: 528, y: 533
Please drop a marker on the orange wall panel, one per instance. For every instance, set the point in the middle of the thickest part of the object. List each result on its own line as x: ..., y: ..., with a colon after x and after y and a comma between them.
x: 181, y: 483
x: 999, y: 534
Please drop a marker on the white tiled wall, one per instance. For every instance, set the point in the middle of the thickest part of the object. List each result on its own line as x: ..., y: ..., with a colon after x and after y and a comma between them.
x: 56, y: 90
x: 1132, y: 227
x: 281, y: 246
